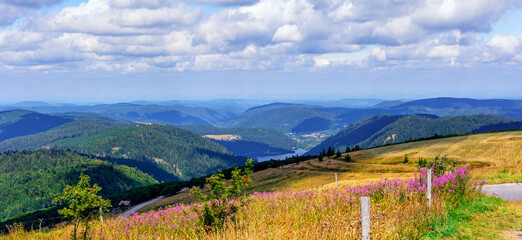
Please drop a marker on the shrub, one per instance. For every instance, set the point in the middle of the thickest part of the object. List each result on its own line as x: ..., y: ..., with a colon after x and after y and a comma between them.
x: 83, y: 204
x: 439, y: 165
x: 224, y: 200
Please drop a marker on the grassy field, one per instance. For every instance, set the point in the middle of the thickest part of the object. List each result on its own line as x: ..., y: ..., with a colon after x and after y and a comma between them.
x: 496, y: 156
x: 398, y: 212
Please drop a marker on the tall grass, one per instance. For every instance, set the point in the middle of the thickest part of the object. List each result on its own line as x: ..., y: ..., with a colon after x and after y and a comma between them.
x: 398, y: 210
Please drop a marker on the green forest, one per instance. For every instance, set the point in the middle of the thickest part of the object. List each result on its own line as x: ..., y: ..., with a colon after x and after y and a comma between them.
x: 29, y: 180
x: 179, y: 152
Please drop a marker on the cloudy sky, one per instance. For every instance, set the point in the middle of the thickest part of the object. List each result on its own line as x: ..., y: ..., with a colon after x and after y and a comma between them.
x: 123, y: 50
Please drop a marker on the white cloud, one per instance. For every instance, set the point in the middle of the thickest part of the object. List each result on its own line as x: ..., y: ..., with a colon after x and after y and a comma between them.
x: 287, y: 33
x: 224, y: 2
x: 466, y: 15
x: 132, y: 35
x: 506, y: 44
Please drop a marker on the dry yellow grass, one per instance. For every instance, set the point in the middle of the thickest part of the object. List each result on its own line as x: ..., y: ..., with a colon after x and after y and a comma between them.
x: 226, y: 137
x: 495, y: 156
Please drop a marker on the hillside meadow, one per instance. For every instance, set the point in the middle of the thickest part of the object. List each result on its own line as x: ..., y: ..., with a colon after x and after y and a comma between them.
x: 301, y: 201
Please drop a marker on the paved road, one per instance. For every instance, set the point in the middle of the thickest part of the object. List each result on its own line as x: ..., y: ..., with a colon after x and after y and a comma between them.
x: 138, y: 207
x: 508, y: 191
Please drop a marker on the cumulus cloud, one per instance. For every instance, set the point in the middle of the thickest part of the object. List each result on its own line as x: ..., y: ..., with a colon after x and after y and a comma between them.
x: 145, y: 35
x: 221, y: 3
x: 287, y: 32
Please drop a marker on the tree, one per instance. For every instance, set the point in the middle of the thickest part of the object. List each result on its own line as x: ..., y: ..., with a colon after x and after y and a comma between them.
x: 320, y: 157
x: 356, y: 148
x: 347, y: 158
x: 82, y: 204
x: 347, y: 149
x: 406, y: 159
x: 338, y: 154
x: 222, y: 197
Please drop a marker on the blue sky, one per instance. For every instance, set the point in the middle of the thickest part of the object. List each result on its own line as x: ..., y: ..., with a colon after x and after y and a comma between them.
x: 125, y: 50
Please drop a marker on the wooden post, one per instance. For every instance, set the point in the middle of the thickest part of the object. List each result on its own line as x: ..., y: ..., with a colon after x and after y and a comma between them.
x: 335, y: 179
x: 101, y: 215
x: 365, y: 218
x: 428, y: 188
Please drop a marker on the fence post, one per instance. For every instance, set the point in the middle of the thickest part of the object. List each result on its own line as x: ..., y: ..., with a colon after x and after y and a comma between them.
x: 428, y: 188
x: 101, y: 215
x: 335, y: 179
x: 365, y: 218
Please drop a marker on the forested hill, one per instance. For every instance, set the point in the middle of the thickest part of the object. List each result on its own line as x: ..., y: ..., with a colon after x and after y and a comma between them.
x: 22, y: 122
x: 29, y: 180
x: 78, y: 128
x: 384, y: 129
x: 181, y: 153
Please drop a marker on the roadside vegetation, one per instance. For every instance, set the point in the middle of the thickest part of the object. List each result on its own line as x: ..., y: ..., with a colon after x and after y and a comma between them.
x: 399, y: 210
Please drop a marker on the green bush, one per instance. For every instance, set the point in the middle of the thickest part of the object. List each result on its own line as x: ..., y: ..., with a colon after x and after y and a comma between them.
x: 223, y: 201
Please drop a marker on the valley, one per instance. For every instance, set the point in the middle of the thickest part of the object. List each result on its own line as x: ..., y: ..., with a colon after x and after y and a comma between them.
x: 160, y: 153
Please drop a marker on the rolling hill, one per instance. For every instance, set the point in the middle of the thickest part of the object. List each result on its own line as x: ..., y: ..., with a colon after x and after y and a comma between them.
x: 281, y: 117
x: 384, y: 129
x: 303, y: 118
x: 29, y: 180
x: 22, y: 122
x: 179, y: 152
x: 446, y: 106
x: 79, y: 128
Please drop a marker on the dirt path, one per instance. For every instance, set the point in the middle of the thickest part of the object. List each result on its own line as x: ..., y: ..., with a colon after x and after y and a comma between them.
x: 138, y: 207
x: 508, y: 191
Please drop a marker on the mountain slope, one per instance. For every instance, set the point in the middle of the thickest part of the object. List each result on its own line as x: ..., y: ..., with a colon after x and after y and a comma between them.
x: 29, y: 180
x: 446, y: 106
x: 79, y: 128
x: 283, y: 118
x: 21, y: 122
x: 384, y: 129
x: 271, y: 137
x: 177, y: 151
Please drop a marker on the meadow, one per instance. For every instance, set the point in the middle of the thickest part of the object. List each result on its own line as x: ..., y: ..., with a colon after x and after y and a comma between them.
x: 399, y: 209
x: 301, y: 201
x: 494, y: 156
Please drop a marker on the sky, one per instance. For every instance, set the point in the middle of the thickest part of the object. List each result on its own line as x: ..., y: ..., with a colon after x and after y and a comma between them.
x: 126, y: 50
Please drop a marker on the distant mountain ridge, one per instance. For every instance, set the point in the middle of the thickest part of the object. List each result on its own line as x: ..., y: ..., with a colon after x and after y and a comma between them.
x: 283, y: 116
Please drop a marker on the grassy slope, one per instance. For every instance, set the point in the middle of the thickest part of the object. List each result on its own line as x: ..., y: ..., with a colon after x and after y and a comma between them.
x: 492, y: 155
